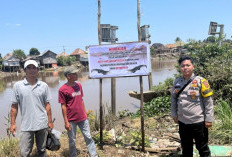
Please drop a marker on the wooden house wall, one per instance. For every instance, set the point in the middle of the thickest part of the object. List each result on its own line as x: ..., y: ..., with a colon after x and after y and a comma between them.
x: 48, y: 58
x: 11, y: 61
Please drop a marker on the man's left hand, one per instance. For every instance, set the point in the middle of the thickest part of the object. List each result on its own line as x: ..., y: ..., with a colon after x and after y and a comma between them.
x: 208, y: 124
x: 50, y: 125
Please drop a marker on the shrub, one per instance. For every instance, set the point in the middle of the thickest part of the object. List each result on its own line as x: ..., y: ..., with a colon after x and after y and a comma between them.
x: 106, y: 137
x: 163, y: 89
x: 65, y: 60
x: 156, y: 106
x: 215, y: 64
x: 222, y: 129
x: 134, y: 138
x: 9, y: 147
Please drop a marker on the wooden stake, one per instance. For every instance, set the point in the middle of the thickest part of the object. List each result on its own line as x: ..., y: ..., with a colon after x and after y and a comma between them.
x: 101, y: 116
x: 100, y: 83
x: 113, y: 96
x: 142, y: 112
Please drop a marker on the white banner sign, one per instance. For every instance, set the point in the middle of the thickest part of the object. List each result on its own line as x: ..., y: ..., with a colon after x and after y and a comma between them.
x: 124, y: 59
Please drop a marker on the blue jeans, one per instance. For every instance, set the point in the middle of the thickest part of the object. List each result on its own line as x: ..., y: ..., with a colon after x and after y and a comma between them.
x: 84, y: 127
x: 27, y: 141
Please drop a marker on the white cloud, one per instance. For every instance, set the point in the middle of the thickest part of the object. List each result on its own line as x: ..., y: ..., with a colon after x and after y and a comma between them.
x: 13, y: 25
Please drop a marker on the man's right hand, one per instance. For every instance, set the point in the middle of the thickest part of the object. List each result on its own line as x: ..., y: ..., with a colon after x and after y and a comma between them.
x: 67, y: 126
x: 175, y: 120
x: 13, y: 129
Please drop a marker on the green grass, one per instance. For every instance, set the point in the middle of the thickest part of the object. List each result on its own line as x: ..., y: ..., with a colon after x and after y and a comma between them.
x: 9, y: 147
x: 222, y: 129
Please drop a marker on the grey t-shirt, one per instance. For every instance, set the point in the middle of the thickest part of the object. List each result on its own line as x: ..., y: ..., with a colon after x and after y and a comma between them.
x: 31, y: 101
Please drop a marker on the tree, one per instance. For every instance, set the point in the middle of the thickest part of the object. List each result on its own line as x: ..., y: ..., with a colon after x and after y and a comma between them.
x: 19, y: 53
x: 211, y: 39
x: 152, y: 50
x: 191, y: 40
x: 179, y: 42
x: 177, y: 39
x: 0, y: 58
x: 60, y: 61
x: 34, y: 52
x: 192, y: 45
x: 65, y: 60
x: 0, y: 61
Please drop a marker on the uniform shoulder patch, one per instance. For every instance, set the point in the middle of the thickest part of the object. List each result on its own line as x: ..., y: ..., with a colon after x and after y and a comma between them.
x: 205, y: 83
x: 194, y: 81
x: 205, y: 88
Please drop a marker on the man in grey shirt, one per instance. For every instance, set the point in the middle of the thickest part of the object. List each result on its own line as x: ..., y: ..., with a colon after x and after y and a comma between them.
x: 32, y: 97
x: 192, y: 108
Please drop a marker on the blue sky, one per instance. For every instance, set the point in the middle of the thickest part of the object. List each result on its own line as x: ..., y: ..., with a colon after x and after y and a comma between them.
x: 52, y: 24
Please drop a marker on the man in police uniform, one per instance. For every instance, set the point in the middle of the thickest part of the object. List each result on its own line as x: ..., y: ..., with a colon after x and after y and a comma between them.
x: 192, y: 108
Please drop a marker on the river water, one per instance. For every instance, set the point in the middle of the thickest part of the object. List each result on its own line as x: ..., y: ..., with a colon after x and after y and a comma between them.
x: 161, y: 70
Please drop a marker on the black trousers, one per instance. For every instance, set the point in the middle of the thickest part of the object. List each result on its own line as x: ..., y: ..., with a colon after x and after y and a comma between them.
x: 199, y: 133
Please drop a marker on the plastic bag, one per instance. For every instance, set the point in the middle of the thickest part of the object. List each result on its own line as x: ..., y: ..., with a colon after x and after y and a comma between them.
x: 56, y: 133
x: 52, y: 143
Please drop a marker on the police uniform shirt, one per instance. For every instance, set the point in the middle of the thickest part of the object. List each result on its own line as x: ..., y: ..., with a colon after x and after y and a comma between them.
x: 195, y: 103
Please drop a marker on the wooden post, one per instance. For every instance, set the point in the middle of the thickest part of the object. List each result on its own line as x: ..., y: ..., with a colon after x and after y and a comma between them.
x: 100, y: 83
x: 142, y: 112
x: 150, y: 80
x: 140, y: 78
x: 101, y: 116
x: 113, y: 96
x: 99, y: 22
x: 139, y: 39
x: 138, y: 20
